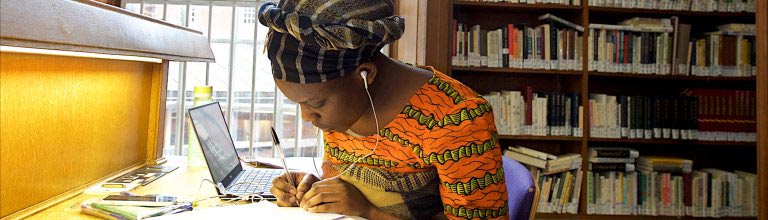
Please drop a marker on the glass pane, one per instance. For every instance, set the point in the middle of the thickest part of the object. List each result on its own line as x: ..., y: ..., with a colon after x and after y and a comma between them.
x: 265, y: 97
x: 176, y: 14
x: 198, y: 18
x: 286, y: 117
x: 242, y: 70
x: 218, y: 74
x: 133, y: 7
x: 309, y: 145
x: 171, y: 108
x: 154, y: 10
x: 195, y: 77
x: 221, y: 25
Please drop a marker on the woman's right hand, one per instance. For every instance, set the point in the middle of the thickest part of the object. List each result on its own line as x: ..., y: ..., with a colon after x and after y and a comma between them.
x: 288, y: 195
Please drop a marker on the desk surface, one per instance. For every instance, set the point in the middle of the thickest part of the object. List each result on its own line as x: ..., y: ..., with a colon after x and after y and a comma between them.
x: 183, y: 182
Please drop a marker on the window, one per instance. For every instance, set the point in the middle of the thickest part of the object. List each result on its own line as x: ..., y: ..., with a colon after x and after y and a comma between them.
x: 241, y: 79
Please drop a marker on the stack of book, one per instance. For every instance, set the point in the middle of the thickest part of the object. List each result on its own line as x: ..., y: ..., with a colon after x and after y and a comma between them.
x: 128, y: 212
x: 612, y: 181
x: 729, y: 51
x: 666, y: 47
x: 718, y: 193
x: 665, y: 186
x: 555, y: 44
x: 703, y: 114
x: 726, y: 115
x: 644, y: 117
x: 556, y: 2
x: 636, y: 45
x: 662, y: 183
x: 540, y: 114
x: 558, y: 178
x: 681, y: 5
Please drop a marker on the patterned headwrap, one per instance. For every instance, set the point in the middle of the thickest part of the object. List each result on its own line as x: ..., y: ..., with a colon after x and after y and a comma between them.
x: 313, y: 41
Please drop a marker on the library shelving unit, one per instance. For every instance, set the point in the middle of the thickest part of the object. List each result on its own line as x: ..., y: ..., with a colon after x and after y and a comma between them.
x: 493, y: 15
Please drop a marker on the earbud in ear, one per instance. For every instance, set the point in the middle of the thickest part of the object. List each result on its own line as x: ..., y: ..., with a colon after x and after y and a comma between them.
x: 364, y: 75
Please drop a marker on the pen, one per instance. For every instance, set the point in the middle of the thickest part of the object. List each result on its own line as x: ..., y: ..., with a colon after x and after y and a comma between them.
x: 279, y: 150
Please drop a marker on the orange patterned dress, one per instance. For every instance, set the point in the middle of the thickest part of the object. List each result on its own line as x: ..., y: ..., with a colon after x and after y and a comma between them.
x: 439, y: 158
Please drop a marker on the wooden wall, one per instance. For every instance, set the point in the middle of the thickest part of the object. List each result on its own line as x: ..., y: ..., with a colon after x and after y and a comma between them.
x: 67, y: 121
x: 411, y: 48
x: 115, y: 3
x: 762, y: 106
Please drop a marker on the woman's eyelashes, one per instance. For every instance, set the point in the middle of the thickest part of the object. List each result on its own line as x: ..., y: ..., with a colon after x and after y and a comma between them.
x: 316, y: 104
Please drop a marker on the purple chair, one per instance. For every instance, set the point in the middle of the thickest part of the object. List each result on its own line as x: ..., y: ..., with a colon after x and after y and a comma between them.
x: 521, y: 190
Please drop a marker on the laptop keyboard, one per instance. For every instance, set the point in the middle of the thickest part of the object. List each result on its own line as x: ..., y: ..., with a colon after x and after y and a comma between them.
x: 255, y: 181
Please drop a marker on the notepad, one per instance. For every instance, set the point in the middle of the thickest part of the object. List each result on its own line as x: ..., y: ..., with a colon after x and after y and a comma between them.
x: 262, y: 210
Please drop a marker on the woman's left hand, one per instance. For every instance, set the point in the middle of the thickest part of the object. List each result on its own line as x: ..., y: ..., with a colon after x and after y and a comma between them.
x: 337, y: 196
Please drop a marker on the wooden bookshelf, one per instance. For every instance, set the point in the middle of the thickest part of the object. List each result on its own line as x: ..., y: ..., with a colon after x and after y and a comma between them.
x: 762, y: 106
x: 540, y: 138
x: 511, y: 6
x: 747, y: 79
x: 490, y: 15
x: 668, y: 13
x: 673, y: 142
x: 516, y: 71
x: 623, y: 217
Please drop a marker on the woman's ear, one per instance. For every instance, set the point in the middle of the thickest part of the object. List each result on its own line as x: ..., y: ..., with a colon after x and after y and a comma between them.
x: 370, y: 71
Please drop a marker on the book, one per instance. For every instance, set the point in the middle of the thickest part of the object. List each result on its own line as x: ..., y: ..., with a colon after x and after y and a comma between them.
x: 535, y: 153
x: 555, y: 44
x: 89, y: 210
x: 607, y: 152
x: 540, y: 114
x: 129, y: 212
x: 550, y: 17
x: 680, y: 5
x: 525, y: 159
x: 665, y: 164
x: 620, y: 167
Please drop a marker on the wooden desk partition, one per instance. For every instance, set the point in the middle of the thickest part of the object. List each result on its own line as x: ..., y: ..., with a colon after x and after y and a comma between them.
x: 69, y: 121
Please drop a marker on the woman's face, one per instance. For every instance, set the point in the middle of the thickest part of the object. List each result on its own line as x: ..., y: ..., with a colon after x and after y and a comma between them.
x: 331, y: 106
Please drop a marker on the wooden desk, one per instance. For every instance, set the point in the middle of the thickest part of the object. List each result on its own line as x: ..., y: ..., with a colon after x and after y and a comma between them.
x: 182, y: 182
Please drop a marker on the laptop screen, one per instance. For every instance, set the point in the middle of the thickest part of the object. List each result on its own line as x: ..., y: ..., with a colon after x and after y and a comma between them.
x: 216, y: 143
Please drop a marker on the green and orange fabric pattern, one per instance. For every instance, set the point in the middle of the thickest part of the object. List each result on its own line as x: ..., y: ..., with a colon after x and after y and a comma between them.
x: 439, y: 158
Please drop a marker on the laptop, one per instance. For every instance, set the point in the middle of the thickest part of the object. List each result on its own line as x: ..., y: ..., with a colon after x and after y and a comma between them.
x: 221, y: 156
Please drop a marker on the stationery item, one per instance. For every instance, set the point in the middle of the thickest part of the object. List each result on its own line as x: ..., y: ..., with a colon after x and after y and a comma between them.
x: 130, y: 212
x: 148, y: 200
x: 264, y: 210
x: 142, y: 176
x: 89, y: 210
x: 109, y: 188
x: 279, y: 150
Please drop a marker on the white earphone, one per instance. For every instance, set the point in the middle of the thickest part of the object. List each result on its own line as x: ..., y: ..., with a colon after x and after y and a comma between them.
x: 364, y: 74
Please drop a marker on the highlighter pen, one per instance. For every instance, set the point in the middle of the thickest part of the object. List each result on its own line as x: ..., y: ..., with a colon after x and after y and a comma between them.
x: 279, y: 150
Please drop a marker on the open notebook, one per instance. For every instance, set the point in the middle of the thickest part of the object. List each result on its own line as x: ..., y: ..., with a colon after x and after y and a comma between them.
x: 262, y: 210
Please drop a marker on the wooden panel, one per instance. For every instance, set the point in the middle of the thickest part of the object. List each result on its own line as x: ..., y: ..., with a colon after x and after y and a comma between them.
x: 155, y: 130
x: 408, y: 43
x: 67, y: 121
x: 69, y: 25
x: 762, y: 106
x: 439, y: 36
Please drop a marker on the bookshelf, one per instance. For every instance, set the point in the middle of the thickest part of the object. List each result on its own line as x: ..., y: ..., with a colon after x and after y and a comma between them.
x: 704, y: 153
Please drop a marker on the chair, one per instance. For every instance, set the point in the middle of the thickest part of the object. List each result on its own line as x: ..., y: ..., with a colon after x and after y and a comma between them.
x: 521, y: 190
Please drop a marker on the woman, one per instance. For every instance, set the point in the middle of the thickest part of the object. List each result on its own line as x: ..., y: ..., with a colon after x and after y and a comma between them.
x: 401, y: 142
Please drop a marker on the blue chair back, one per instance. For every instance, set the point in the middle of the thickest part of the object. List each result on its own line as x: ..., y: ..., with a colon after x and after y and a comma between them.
x: 521, y: 190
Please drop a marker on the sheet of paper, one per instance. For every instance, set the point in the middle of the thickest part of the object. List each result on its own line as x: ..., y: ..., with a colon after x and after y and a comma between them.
x: 261, y: 210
